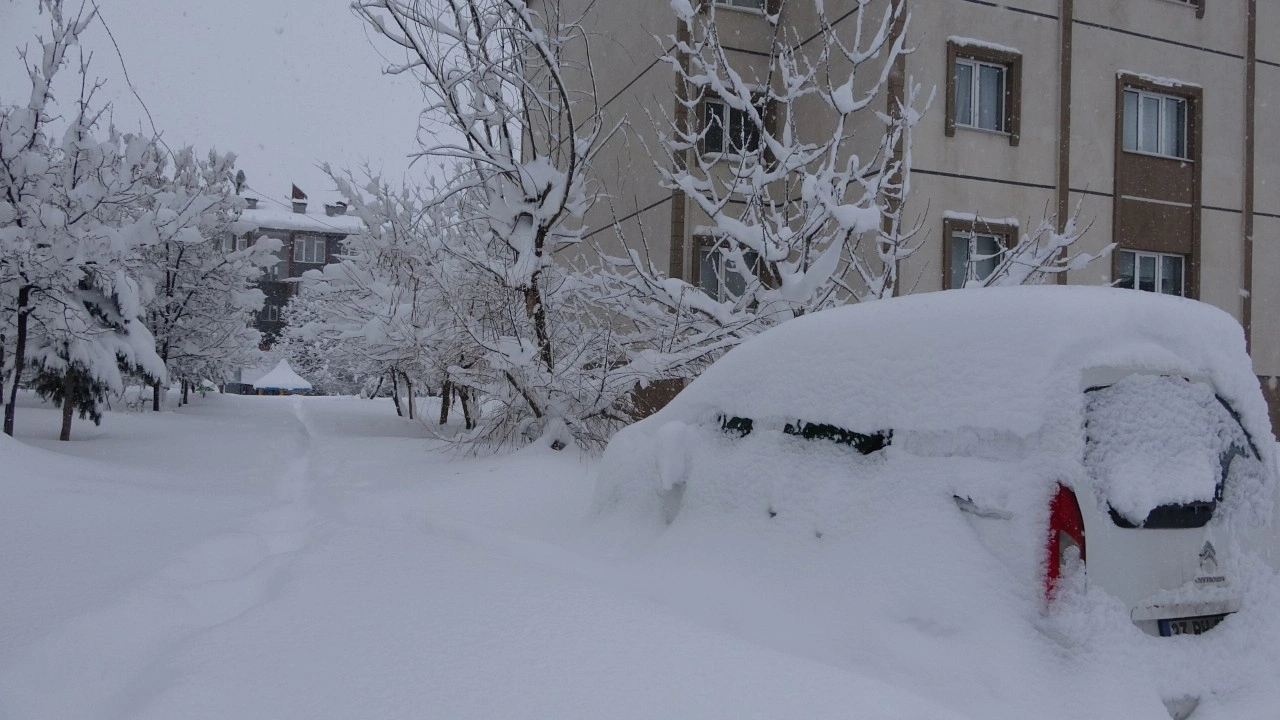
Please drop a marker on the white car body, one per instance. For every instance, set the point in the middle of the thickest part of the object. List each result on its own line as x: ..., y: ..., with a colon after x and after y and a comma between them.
x: 984, y: 393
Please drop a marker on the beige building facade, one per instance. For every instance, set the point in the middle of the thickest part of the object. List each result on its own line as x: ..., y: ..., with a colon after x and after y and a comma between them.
x: 1157, y: 118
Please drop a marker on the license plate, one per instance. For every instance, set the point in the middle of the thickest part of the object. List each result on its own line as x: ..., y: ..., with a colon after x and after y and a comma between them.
x: 1189, y: 626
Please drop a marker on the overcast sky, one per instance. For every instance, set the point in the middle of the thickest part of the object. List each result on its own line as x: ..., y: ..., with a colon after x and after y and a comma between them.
x: 285, y: 84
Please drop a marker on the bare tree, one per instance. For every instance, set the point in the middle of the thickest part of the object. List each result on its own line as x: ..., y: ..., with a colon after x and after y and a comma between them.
x: 1037, y: 256
x: 800, y: 176
x: 495, y: 73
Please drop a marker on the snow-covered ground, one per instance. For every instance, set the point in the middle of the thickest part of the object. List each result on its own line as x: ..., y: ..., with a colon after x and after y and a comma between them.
x: 268, y: 557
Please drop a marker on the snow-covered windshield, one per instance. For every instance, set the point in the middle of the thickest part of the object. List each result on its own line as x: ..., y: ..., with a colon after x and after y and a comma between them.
x: 1161, y: 443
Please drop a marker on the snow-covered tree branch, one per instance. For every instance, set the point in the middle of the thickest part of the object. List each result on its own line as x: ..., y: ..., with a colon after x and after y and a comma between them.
x: 202, y: 287
x: 1033, y: 258
x: 799, y: 174
x: 71, y: 219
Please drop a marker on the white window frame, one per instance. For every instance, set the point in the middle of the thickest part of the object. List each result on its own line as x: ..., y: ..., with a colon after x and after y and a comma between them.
x: 975, y: 84
x: 1163, y: 143
x: 307, y: 248
x: 270, y: 313
x: 234, y: 243
x: 711, y: 252
x: 757, y: 6
x: 1000, y: 240
x: 1158, y: 258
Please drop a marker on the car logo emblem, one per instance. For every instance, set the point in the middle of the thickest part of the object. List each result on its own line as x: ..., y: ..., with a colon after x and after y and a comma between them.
x: 1208, y: 559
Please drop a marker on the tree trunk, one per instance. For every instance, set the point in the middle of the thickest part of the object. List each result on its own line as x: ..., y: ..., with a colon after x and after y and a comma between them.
x: 186, y: 387
x: 446, y: 391
x: 469, y: 420
x: 155, y: 390
x: 2, y: 339
x: 377, y: 389
x: 538, y: 312
x: 408, y: 389
x: 68, y: 403
x: 19, y: 357
x: 395, y: 394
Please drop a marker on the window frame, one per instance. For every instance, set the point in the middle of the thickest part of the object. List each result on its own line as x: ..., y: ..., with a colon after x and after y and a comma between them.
x: 1004, y: 233
x: 270, y: 313
x: 768, y: 116
x: 1197, y: 4
x: 1159, y: 278
x: 767, y: 7
x: 979, y: 55
x: 305, y: 245
x: 708, y: 244
x: 1161, y: 98
x: 975, y: 94
x: 733, y: 5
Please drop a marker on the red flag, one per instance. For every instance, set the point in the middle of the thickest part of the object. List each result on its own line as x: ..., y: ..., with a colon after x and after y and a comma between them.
x: 298, y: 194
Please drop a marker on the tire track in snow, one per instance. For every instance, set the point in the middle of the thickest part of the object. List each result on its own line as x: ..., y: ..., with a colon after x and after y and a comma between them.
x: 105, y: 663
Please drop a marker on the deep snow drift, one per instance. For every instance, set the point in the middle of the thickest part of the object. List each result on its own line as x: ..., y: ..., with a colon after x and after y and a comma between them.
x: 267, y: 557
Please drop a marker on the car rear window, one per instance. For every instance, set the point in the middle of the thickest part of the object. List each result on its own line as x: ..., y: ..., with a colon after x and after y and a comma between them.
x: 1161, y: 448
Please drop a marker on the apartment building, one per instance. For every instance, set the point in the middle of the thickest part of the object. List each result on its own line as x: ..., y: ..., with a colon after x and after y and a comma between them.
x: 309, y: 241
x: 1151, y: 115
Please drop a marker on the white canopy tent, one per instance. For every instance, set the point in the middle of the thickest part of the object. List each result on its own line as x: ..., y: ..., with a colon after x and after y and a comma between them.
x: 282, y: 378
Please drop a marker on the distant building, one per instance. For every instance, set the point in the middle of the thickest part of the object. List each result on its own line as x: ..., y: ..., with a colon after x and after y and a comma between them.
x: 309, y: 241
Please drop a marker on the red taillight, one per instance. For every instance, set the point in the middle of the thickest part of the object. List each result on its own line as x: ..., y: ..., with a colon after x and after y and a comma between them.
x: 1066, y: 530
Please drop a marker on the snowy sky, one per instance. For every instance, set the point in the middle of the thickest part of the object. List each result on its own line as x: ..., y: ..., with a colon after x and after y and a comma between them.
x: 285, y: 84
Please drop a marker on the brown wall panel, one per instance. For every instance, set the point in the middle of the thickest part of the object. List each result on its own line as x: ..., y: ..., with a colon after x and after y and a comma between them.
x: 1154, y: 227
x: 1160, y: 178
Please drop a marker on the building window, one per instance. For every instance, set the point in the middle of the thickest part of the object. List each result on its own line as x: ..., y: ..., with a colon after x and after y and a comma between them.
x: 231, y: 243
x: 309, y: 249
x: 973, y: 249
x: 980, y: 94
x: 749, y: 4
x: 717, y: 274
x: 270, y: 313
x: 1155, y: 123
x: 1197, y: 4
x: 1151, y: 271
x: 984, y: 88
x: 728, y: 130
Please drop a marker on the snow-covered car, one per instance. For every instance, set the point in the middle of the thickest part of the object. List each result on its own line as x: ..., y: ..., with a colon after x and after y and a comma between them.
x: 1115, y: 438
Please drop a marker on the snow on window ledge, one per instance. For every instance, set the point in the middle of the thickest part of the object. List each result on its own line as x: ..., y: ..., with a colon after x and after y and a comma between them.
x: 978, y: 219
x: 1156, y: 79
x: 966, y: 42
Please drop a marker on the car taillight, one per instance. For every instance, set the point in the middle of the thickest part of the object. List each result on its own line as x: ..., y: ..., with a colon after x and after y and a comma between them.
x: 1066, y: 530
